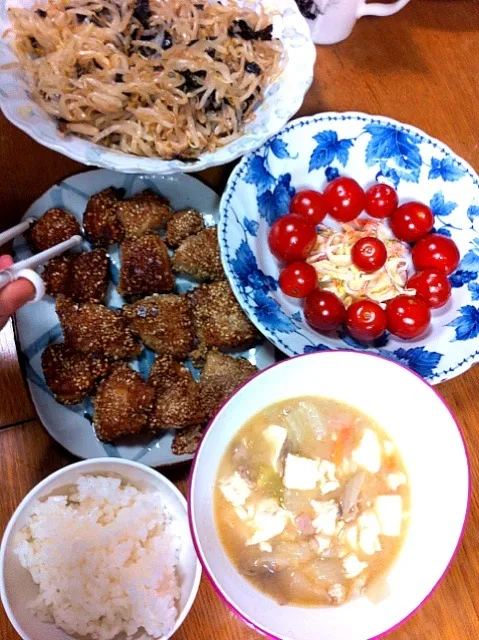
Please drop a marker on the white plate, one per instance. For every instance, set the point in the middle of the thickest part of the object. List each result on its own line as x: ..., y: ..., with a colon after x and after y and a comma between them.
x: 307, y: 154
x: 282, y: 100
x: 38, y: 324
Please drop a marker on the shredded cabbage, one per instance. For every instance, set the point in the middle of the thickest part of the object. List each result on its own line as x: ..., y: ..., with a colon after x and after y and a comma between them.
x: 331, y: 258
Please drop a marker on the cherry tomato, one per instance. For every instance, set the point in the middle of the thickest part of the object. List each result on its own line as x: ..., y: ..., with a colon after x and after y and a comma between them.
x: 411, y: 221
x: 323, y: 310
x: 291, y: 238
x: 366, y: 320
x: 344, y: 199
x: 309, y: 204
x: 381, y: 200
x: 369, y: 254
x: 407, y: 316
x: 297, y: 279
x: 433, y: 287
x: 436, y: 252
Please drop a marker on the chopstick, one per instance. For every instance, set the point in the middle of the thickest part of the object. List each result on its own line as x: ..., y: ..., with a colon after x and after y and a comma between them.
x: 10, y: 274
x: 15, y: 231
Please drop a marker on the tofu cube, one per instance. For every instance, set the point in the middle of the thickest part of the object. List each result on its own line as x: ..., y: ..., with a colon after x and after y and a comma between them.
x: 276, y: 437
x: 235, y: 490
x: 368, y: 453
x: 369, y: 532
x: 323, y: 543
x: 389, y: 513
x: 327, y: 478
x: 269, y: 521
x: 352, y: 536
x: 326, y: 516
x: 337, y: 593
x: 353, y: 566
x: 395, y: 480
x: 300, y: 473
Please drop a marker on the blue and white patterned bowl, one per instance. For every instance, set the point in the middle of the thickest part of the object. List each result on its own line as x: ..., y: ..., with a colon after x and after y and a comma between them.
x: 282, y: 100
x: 38, y: 325
x: 309, y: 152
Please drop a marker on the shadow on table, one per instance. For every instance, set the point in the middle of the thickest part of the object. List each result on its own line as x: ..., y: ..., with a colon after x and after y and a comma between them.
x: 446, y: 15
x: 382, y: 46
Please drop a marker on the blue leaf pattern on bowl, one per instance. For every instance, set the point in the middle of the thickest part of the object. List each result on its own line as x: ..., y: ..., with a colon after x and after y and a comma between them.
x: 474, y: 290
x: 446, y: 169
x: 273, y: 204
x: 422, y: 361
x: 473, y: 212
x: 329, y: 148
x: 389, y: 142
x: 467, y: 324
x: 258, y: 174
x: 268, y: 312
x: 309, y: 152
x: 251, y: 226
x: 440, y: 207
x: 279, y: 148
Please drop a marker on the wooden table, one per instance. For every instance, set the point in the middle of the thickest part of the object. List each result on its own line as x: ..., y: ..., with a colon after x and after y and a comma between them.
x: 421, y: 67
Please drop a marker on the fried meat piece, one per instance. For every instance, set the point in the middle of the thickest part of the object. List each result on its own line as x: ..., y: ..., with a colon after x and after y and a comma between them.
x: 80, y: 276
x: 56, y: 225
x: 143, y: 213
x: 101, y: 223
x: 177, y: 395
x: 70, y: 375
x: 199, y: 256
x: 93, y: 328
x: 122, y: 404
x: 145, y: 267
x: 181, y: 225
x: 221, y: 375
x: 163, y: 323
x: 186, y: 440
x: 218, y: 319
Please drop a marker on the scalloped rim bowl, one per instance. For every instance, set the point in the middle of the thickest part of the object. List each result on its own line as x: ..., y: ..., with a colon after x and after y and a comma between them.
x: 309, y: 152
x: 429, y: 441
x: 16, y: 585
x: 282, y: 99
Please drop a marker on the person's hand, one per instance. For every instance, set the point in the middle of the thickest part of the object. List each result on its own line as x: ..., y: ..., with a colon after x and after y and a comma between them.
x: 14, y: 295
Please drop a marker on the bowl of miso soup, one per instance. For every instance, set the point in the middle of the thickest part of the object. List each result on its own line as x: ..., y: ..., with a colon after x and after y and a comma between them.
x: 316, y: 497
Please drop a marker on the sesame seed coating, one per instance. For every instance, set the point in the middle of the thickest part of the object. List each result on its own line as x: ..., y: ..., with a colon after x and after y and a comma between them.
x: 56, y: 225
x: 218, y: 319
x: 186, y: 440
x: 163, y: 323
x: 145, y: 267
x: 100, y: 222
x: 181, y: 225
x: 71, y: 375
x: 143, y: 213
x: 177, y: 395
x: 199, y: 256
x: 93, y: 328
x: 221, y: 375
x: 80, y: 276
x: 122, y: 404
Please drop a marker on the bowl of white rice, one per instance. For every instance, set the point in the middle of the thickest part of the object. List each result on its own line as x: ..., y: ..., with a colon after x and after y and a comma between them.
x: 99, y: 550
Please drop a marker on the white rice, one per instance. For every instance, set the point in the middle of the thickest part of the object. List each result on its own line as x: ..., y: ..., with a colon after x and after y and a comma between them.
x: 105, y: 559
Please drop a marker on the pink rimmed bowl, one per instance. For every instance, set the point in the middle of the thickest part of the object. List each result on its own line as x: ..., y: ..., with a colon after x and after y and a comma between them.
x: 427, y: 436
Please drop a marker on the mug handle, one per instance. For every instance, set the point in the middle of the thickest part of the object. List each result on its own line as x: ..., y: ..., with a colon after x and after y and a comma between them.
x: 377, y: 9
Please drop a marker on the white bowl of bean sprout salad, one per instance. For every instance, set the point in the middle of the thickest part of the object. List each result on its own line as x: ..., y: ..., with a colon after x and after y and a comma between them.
x: 153, y: 86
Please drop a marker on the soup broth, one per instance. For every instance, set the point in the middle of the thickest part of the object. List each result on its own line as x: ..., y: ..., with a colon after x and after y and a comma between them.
x: 312, y: 502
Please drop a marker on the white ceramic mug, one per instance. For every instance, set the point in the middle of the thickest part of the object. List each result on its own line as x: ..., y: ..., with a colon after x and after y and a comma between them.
x: 331, y: 21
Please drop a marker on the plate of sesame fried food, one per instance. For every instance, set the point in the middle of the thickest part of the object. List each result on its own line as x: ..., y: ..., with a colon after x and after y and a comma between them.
x: 139, y: 339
